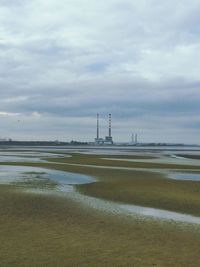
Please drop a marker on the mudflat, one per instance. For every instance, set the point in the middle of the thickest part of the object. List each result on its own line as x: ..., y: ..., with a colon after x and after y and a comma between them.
x: 53, y: 230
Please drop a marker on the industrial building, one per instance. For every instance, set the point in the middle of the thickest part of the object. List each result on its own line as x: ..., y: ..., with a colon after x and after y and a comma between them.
x: 108, y: 139
x: 134, y: 139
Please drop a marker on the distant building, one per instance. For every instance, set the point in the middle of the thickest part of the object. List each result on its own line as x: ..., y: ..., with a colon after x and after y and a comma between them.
x: 108, y: 139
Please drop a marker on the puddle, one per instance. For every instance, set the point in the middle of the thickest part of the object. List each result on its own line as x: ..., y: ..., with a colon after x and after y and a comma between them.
x: 177, y: 157
x: 20, y: 159
x: 28, y: 156
x: 162, y: 160
x: 63, y: 180
x: 185, y: 176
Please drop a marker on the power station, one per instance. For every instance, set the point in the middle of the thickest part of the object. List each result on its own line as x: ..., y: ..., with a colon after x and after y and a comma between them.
x: 108, y: 139
x: 134, y: 139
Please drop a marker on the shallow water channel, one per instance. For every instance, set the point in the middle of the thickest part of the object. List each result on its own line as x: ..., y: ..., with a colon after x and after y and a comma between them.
x: 60, y: 180
x: 53, y: 181
x: 186, y: 176
x: 32, y: 156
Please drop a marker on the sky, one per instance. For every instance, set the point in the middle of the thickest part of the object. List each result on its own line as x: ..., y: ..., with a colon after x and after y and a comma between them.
x: 61, y: 62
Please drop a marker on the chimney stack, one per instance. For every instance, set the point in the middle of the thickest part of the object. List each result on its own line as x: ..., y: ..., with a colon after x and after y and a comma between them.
x: 109, y: 125
x: 97, y: 126
x: 136, y: 139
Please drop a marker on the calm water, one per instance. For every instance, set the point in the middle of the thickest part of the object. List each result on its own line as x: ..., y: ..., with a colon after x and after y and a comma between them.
x: 161, y: 214
x: 66, y: 180
x: 185, y: 176
x: 14, y: 174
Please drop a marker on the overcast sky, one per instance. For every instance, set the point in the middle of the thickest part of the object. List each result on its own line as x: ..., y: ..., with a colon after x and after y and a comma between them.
x: 61, y: 62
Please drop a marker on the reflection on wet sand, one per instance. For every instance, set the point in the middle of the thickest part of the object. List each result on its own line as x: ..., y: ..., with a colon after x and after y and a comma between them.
x: 65, y: 181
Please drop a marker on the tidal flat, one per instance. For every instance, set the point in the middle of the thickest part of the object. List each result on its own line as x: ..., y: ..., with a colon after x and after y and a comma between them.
x: 56, y: 229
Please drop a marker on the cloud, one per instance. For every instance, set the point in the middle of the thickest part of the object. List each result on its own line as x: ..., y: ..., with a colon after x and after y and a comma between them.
x: 3, y: 113
x: 62, y: 62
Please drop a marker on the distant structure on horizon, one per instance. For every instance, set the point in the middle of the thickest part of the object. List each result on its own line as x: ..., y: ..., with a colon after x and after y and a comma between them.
x: 134, y: 139
x: 108, y: 139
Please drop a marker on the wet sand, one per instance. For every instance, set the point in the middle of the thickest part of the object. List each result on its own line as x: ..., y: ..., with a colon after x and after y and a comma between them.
x: 100, y: 223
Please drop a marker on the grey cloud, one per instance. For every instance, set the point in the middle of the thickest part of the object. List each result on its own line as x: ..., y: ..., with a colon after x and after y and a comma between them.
x: 68, y: 60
